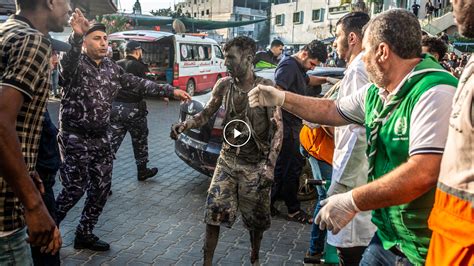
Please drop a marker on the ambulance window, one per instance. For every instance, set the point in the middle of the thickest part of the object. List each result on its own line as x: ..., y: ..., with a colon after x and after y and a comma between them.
x: 186, y: 52
x: 205, y: 52
x: 218, y: 52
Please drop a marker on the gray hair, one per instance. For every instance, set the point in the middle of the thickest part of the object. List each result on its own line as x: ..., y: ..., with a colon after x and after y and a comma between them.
x: 398, y: 28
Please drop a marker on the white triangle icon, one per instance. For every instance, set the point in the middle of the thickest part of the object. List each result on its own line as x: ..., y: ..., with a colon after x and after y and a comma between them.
x: 237, y: 133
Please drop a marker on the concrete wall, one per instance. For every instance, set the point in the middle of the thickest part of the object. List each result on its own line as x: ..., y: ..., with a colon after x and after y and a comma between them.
x: 293, y: 34
x: 224, y: 10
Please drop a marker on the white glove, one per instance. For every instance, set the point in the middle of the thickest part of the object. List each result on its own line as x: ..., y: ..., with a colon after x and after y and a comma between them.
x: 332, y: 80
x: 266, y: 96
x: 337, y: 188
x: 336, y: 212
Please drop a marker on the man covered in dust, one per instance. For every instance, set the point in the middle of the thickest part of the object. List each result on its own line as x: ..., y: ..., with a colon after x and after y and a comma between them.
x: 243, y: 175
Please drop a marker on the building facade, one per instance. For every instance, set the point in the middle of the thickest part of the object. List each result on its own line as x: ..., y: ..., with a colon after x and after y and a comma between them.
x: 228, y: 10
x: 297, y: 23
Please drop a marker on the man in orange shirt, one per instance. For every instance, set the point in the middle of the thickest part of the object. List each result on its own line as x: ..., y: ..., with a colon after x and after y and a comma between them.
x: 452, y: 217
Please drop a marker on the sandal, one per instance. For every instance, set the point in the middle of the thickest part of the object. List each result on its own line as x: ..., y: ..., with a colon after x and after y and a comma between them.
x: 300, y: 217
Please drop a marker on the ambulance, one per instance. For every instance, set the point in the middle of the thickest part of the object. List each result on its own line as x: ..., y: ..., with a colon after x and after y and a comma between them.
x: 192, y: 63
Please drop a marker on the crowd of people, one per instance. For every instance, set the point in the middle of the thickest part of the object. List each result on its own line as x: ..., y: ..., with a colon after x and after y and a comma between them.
x: 393, y: 137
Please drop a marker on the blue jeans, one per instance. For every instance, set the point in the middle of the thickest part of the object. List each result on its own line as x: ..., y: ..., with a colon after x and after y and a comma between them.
x: 14, y: 250
x: 376, y: 255
x: 321, y: 171
x: 55, y: 81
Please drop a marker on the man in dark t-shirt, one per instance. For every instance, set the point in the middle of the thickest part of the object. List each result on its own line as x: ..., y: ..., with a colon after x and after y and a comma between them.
x: 290, y: 75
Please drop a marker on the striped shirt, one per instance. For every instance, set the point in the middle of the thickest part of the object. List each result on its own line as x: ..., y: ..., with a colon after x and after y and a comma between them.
x: 25, y: 67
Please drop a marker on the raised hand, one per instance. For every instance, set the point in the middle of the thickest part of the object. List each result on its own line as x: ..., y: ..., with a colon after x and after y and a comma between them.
x: 79, y: 24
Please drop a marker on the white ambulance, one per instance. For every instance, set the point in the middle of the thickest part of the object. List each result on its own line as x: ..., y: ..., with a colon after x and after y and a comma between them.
x: 189, y: 62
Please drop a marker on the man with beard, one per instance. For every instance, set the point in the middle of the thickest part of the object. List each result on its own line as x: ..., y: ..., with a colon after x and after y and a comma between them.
x: 405, y: 112
x: 290, y: 75
x: 129, y: 113
x: 244, y: 173
x: 24, y: 89
x: 91, y: 81
x: 349, y: 161
x: 452, y: 218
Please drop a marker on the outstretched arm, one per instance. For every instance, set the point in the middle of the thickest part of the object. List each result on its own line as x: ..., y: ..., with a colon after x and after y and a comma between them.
x: 314, y: 110
x: 315, y: 80
x: 202, y: 117
x: 147, y: 87
x: 211, y: 107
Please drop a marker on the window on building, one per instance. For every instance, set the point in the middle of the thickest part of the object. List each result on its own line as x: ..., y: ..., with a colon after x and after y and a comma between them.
x: 298, y: 17
x: 280, y: 20
x: 318, y: 15
x: 207, y: 11
x: 195, y: 14
x: 195, y: 1
x: 202, y: 13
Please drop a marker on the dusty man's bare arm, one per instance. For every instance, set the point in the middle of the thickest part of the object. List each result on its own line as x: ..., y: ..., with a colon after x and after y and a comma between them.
x: 211, y: 107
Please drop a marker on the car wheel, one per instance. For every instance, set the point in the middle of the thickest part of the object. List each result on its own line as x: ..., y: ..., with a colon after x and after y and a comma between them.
x: 191, y: 87
x: 305, y: 191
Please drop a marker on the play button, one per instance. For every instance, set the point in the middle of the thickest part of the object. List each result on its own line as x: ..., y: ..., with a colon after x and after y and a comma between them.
x: 237, y: 133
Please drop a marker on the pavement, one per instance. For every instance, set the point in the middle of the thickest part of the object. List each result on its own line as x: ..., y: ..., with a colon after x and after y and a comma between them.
x: 160, y: 221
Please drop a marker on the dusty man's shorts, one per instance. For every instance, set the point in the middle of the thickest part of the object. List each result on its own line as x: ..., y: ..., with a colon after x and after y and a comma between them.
x: 237, y: 185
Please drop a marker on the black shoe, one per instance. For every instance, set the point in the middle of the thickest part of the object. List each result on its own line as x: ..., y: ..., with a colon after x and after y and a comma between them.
x: 145, y: 173
x: 312, y: 258
x: 91, y: 242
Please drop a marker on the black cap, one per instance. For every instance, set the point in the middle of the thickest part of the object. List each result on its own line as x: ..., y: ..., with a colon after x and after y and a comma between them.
x: 96, y: 27
x: 133, y: 45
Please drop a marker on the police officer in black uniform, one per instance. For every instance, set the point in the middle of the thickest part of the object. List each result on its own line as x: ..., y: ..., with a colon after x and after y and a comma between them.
x: 129, y: 113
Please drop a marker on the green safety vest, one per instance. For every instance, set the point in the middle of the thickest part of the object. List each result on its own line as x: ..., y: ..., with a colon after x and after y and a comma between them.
x: 404, y: 225
x: 263, y: 64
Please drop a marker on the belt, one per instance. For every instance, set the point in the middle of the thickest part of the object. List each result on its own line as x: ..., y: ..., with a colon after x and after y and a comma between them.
x: 395, y: 250
x: 140, y: 104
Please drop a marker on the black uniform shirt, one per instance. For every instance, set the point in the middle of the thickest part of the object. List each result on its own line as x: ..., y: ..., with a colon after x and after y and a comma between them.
x: 133, y: 66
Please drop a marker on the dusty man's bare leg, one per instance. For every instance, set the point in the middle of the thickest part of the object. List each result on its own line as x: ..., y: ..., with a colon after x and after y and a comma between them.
x: 210, y: 243
x: 255, y: 240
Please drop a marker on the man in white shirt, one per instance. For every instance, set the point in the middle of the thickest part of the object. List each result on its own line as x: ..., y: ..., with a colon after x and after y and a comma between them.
x: 349, y: 161
x: 406, y: 112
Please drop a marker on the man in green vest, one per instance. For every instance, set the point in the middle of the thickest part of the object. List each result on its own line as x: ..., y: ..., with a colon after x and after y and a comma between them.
x: 406, y: 113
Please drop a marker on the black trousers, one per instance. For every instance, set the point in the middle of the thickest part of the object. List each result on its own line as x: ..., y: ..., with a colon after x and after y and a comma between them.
x: 44, y: 259
x: 350, y: 256
x: 288, y: 169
